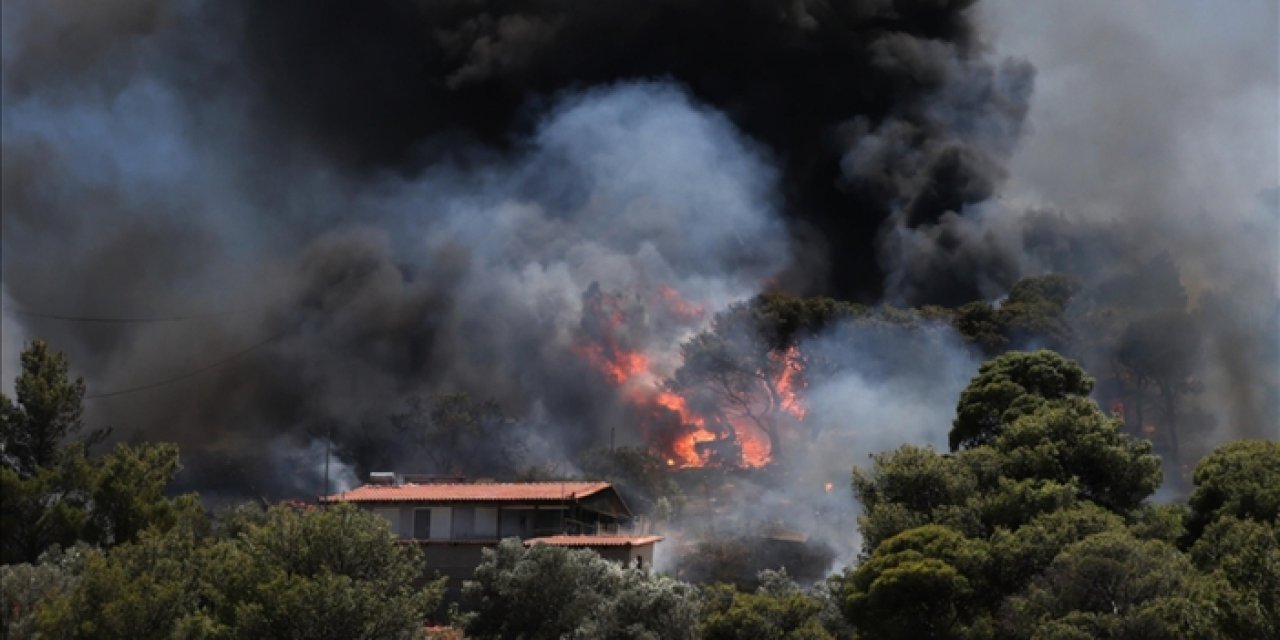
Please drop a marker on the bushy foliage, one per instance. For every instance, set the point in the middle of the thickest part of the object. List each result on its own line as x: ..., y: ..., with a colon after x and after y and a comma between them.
x: 52, y: 492
x: 925, y: 582
x: 24, y: 586
x: 1035, y: 526
x: 916, y: 478
x: 1034, y: 313
x: 1010, y: 386
x: 1022, y: 553
x: 1112, y: 585
x: 101, y: 501
x: 1070, y: 440
x: 287, y: 573
x: 1245, y: 555
x: 1033, y: 469
x: 1038, y: 526
x: 740, y: 558
x: 1052, y: 448
x: 1164, y: 522
x: 548, y: 592
x: 778, y: 609
x: 1240, y: 479
x: 45, y: 411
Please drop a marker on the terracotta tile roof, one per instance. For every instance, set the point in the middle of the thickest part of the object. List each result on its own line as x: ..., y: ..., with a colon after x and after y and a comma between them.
x: 595, y: 541
x: 471, y: 492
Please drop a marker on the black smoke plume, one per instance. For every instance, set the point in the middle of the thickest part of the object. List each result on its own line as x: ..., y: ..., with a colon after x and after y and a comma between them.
x: 869, y: 107
x: 356, y: 204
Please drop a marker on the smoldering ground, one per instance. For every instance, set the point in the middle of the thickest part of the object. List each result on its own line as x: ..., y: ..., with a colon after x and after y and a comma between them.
x: 355, y: 204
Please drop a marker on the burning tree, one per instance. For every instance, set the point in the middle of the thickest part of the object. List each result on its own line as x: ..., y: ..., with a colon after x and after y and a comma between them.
x: 742, y: 384
x: 723, y: 399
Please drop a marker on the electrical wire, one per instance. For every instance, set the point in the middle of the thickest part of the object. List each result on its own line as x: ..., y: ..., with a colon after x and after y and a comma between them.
x: 150, y: 320
x: 190, y: 374
x: 119, y: 320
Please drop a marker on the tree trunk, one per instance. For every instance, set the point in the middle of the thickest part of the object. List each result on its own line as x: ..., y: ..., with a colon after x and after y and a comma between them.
x: 1171, y: 425
x: 1137, y: 409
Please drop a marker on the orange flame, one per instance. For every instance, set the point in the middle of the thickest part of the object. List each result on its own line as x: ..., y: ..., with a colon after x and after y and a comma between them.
x: 622, y: 366
x: 639, y: 378
x: 678, y: 306
x: 684, y: 451
x: 789, y: 380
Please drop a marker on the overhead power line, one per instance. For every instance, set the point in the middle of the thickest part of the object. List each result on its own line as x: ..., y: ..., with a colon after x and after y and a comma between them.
x: 121, y: 320
x: 190, y: 374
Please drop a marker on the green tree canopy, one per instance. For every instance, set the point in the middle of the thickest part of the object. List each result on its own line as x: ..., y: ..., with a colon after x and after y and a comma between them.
x: 778, y: 609
x: 925, y: 582
x: 1010, y: 386
x: 782, y: 320
x: 24, y: 586
x: 102, y: 501
x: 1113, y: 585
x: 1034, y: 312
x: 1039, y: 466
x: 1240, y: 479
x: 1022, y: 553
x: 917, y: 478
x: 968, y: 491
x: 908, y: 487
x: 52, y: 492
x: 287, y: 573
x: 47, y: 410
x: 1245, y: 555
x: 741, y: 557
x: 1038, y: 527
x: 1069, y: 440
x: 545, y: 592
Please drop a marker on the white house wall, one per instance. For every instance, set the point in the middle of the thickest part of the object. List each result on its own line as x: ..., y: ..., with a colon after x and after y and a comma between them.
x: 474, y: 522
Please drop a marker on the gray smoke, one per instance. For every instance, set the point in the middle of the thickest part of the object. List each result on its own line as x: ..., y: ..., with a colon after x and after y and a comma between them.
x: 871, y: 386
x: 357, y: 205
x: 1151, y: 172
x: 462, y: 278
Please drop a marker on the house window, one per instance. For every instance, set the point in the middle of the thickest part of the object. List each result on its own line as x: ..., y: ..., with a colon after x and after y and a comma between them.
x: 422, y: 524
x: 433, y: 524
x: 486, y: 523
x: 441, y: 523
x: 547, y: 522
x: 464, y: 522
x: 515, y: 522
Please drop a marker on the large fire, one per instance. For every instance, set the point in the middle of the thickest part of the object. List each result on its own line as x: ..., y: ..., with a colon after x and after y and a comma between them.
x: 702, y: 438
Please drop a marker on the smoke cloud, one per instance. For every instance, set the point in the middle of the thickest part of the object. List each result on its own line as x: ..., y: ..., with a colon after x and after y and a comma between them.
x: 1151, y: 173
x: 351, y: 205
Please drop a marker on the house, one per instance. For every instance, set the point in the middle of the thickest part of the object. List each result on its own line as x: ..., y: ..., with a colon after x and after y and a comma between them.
x: 453, y: 521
